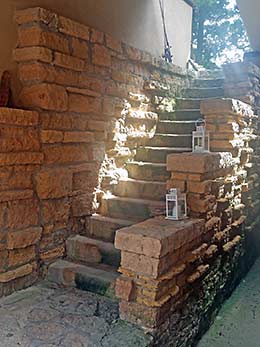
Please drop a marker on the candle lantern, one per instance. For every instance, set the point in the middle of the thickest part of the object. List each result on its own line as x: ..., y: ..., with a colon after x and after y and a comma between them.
x: 176, y: 205
x: 200, y: 137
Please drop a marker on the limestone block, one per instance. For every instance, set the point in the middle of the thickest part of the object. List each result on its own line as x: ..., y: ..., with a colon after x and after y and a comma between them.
x: 226, y: 107
x: 17, y: 273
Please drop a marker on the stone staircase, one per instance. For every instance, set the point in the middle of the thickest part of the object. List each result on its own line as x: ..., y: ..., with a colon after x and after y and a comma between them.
x: 92, y: 261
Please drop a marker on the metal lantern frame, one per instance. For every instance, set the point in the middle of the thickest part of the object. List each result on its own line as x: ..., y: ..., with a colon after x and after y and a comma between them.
x: 200, y: 134
x: 179, y: 198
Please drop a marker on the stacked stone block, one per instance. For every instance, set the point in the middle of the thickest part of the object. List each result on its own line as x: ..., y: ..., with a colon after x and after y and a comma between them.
x: 93, y: 108
x: 20, y: 228
x: 175, y: 274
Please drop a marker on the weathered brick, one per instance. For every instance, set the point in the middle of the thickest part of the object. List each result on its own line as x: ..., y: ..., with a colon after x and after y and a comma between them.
x: 21, y: 158
x: 84, y: 181
x: 18, y: 117
x: 97, y: 36
x: 96, y: 125
x: 101, y: 56
x: 80, y: 49
x: 133, y: 53
x: 72, y: 28
x: 113, y: 44
x: 198, y: 162
x: 18, y: 177
x: 35, y: 14
x: 53, y: 183
x: 68, y: 62
x: 15, y: 195
x: 51, y: 136
x: 45, y: 96
x: 68, y: 153
x: 17, y: 273
x: 52, y: 254
x: 33, y: 53
x: 92, y: 83
x: 55, y: 210
x: 78, y: 136
x: 36, y: 36
x: 18, y: 257
x: 22, y: 214
x: 83, y: 104
x: 18, y: 139
x: 82, y: 205
x: 39, y: 72
x: 3, y: 209
x: 125, y: 289
x: 64, y: 121
x: 23, y: 238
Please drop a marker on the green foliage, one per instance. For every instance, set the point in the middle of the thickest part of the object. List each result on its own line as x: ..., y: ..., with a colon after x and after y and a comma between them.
x: 217, y: 30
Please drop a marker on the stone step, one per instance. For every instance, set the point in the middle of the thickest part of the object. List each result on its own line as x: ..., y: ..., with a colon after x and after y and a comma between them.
x: 171, y: 140
x: 183, y: 113
x: 147, y: 171
x: 133, y: 209
x: 208, y: 83
x: 140, y: 189
x: 157, y: 154
x: 203, y: 92
x: 98, y: 278
x: 104, y: 228
x: 84, y: 249
x: 176, y: 127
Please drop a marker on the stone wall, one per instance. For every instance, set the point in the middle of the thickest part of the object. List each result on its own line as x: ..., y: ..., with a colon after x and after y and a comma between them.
x: 175, y: 275
x: 93, y: 100
x: 20, y: 227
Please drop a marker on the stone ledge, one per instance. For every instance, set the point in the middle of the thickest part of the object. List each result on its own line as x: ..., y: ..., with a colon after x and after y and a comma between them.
x: 226, y: 107
x: 157, y: 237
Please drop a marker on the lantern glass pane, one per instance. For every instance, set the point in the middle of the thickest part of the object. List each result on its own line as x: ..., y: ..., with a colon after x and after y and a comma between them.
x: 182, y: 209
x: 172, y: 209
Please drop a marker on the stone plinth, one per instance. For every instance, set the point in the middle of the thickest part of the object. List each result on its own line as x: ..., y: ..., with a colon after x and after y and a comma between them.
x: 155, y: 267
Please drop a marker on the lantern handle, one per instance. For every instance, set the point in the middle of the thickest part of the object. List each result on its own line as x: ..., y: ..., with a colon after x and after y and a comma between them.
x: 200, y: 121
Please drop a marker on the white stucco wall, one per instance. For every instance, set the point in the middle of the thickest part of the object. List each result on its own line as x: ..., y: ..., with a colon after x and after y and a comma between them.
x: 250, y: 12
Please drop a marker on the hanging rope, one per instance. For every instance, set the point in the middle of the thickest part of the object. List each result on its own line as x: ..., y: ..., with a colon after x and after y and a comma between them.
x: 167, y: 47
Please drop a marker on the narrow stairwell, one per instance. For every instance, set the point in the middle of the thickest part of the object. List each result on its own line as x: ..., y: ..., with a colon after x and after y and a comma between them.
x: 92, y: 261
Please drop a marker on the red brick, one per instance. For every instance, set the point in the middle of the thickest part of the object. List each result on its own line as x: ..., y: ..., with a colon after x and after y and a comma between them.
x: 55, y: 210
x: 51, y: 136
x: 35, y: 14
x: 36, y: 36
x: 68, y: 62
x: 84, y: 104
x: 45, y: 96
x: 80, y: 49
x: 18, y: 117
x: 19, y: 177
x: 66, y: 153
x: 133, y: 53
x: 113, y: 44
x: 83, y: 91
x: 82, y: 205
x: 78, y: 136
x: 91, y: 83
x: 22, y: 158
x: 22, y: 271
x: 18, y: 139
x: 125, y: 289
x: 21, y: 256
x: 22, y: 214
x: 15, y: 195
x: 97, y: 36
x: 33, y: 53
x: 64, y: 121
x: 101, y: 56
x: 53, y: 183
x: 23, y: 238
x: 72, y: 28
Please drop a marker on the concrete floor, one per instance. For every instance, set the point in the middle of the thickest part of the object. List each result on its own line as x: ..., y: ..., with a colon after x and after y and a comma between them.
x: 238, y: 322
x: 41, y: 316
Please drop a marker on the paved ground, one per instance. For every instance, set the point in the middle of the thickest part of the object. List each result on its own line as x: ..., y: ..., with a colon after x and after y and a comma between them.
x: 44, y: 317
x: 238, y: 322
